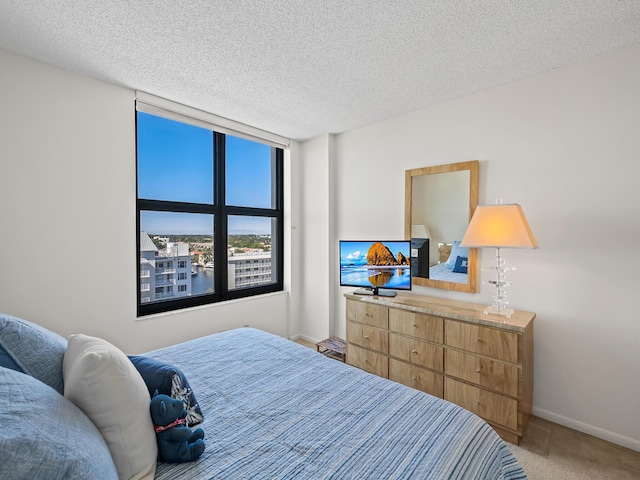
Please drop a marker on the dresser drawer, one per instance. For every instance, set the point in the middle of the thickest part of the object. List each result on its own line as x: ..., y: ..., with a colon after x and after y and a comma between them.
x: 416, y: 351
x: 416, y: 377
x: 374, y: 315
x: 498, y: 344
x: 367, y: 360
x: 368, y: 337
x: 426, y: 327
x: 497, y: 376
x: 490, y: 406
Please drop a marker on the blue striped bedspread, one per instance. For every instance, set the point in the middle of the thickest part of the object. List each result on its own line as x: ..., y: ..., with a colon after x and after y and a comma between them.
x: 440, y: 271
x: 277, y: 410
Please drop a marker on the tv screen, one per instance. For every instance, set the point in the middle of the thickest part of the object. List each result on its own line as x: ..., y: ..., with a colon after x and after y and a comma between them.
x: 375, y: 265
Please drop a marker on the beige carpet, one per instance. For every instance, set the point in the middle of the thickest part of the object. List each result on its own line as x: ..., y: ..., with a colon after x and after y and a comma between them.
x: 549, y: 451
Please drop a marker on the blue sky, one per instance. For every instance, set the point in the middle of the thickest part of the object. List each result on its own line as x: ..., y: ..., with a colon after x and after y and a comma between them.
x: 175, y: 162
x: 168, y: 223
x: 352, y: 251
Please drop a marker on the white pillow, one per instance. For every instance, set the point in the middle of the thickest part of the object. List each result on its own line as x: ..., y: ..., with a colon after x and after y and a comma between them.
x: 105, y: 385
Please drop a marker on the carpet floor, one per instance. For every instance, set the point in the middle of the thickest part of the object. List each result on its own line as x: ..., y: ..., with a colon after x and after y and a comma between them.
x: 550, y: 451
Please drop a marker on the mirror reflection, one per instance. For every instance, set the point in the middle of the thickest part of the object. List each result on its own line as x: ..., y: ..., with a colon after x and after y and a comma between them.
x: 439, y: 203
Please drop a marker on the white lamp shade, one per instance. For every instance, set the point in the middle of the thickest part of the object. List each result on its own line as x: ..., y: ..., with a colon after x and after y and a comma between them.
x: 499, y: 226
x: 420, y: 231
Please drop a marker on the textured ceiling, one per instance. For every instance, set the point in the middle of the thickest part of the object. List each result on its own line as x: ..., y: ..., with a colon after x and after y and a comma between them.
x: 300, y: 68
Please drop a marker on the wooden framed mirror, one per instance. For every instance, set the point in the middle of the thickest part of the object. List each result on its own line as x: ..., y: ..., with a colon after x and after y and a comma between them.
x: 439, y: 203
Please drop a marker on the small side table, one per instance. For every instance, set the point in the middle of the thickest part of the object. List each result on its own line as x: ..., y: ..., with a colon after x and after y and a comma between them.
x: 333, y: 347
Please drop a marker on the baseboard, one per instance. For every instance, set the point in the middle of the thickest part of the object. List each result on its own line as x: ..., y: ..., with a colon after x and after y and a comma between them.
x: 304, y: 337
x: 612, y: 437
x: 309, y: 339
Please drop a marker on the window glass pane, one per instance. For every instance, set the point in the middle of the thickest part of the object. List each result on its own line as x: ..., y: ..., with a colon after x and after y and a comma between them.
x: 175, y: 160
x: 179, y: 170
x: 176, y: 255
x: 249, y: 260
x: 249, y: 173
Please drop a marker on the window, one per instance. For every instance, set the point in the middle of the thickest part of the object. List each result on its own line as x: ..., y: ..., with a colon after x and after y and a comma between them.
x: 209, y: 201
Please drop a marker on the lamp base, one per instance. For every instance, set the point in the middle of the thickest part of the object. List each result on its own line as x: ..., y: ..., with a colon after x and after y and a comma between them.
x: 507, y: 312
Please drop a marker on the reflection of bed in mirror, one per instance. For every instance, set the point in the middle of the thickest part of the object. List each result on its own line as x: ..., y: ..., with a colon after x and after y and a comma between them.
x: 444, y: 250
x: 440, y: 271
x: 452, y: 263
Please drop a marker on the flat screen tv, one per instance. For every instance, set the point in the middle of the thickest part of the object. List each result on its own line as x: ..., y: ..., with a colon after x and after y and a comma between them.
x: 376, y: 267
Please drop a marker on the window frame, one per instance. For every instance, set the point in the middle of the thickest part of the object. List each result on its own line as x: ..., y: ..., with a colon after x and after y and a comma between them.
x: 221, y: 213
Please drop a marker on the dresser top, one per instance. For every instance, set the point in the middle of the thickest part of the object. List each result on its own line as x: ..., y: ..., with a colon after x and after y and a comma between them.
x: 457, y: 310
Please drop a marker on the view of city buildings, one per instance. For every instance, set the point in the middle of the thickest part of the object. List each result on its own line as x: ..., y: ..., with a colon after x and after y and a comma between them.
x: 249, y: 269
x: 174, y: 269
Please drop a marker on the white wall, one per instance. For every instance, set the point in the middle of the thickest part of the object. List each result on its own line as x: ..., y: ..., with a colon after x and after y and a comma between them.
x: 317, y: 294
x: 565, y: 145
x: 68, y: 216
x: 293, y: 243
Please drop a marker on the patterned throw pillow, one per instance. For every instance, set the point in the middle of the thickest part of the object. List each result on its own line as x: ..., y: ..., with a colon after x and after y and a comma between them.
x: 461, y: 265
x: 168, y: 380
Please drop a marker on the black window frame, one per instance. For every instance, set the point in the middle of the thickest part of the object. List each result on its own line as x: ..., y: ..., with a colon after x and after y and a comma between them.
x: 221, y: 213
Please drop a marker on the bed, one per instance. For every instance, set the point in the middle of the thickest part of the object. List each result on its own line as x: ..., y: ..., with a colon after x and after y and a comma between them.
x: 442, y: 272
x: 454, y: 269
x: 273, y: 409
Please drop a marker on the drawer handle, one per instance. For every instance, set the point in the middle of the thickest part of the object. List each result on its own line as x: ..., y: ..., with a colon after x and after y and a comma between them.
x: 414, y: 351
x: 479, y: 370
x: 366, y: 337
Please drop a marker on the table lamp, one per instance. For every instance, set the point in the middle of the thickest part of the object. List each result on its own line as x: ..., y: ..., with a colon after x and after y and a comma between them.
x: 499, y: 226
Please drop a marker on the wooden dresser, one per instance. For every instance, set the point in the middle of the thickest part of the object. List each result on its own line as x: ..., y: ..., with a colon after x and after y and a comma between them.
x: 449, y: 349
